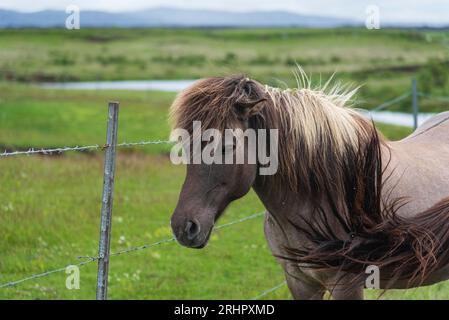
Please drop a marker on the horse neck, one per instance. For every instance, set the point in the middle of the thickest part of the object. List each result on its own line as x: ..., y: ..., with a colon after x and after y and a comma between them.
x: 320, y: 179
x: 279, y: 198
x: 290, y: 209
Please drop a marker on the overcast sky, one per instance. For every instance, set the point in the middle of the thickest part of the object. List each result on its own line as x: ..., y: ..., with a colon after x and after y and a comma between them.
x: 414, y: 11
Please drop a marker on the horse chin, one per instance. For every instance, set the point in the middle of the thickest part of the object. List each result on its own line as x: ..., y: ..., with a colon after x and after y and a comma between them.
x: 201, y: 246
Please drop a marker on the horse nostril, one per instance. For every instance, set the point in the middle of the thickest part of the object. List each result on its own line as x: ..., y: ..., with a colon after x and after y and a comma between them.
x: 192, y: 229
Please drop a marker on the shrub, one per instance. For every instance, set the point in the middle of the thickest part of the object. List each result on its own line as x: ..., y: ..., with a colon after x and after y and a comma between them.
x: 229, y: 58
x: 192, y: 60
x: 262, y: 60
x: 335, y: 59
x: 61, y: 58
x: 107, y: 60
x: 434, y: 75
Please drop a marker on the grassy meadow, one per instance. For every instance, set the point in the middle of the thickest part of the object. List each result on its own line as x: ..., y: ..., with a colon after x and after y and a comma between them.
x: 49, y: 206
x: 381, y: 61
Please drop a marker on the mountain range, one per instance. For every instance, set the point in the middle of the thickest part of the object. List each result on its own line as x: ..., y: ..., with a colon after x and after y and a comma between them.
x: 171, y: 17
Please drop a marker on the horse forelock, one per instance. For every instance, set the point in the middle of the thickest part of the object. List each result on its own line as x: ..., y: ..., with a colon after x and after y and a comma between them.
x: 210, y: 101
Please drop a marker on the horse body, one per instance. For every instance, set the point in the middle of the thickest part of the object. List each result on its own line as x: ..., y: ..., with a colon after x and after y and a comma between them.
x: 418, y: 166
x: 421, y: 165
x: 343, y: 197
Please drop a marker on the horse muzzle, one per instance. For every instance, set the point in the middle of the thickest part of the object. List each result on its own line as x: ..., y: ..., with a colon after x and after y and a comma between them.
x: 191, y: 233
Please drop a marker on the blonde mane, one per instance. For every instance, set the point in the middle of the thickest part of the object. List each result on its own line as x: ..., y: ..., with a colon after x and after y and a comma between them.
x: 311, y: 113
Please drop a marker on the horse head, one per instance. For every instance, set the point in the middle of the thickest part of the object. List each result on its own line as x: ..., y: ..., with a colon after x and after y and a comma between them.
x: 216, y: 104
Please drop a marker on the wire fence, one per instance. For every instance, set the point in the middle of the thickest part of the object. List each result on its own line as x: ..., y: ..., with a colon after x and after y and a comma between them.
x: 89, y: 259
x: 267, y: 292
x: 404, y: 96
x: 402, y: 119
x: 52, y: 151
x: 44, y: 274
x: 60, y: 150
x: 433, y: 97
x: 391, y: 102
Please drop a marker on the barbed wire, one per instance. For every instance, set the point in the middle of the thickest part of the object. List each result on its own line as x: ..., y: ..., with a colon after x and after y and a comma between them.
x: 59, y: 150
x: 143, y: 143
x: 89, y: 259
x: 44, y: 274
x: 430, y: 96
x: 252, y: 216
x: 49, y: 151
x: 390, y: 102
x: 263, y: 294
x: 146, y: 246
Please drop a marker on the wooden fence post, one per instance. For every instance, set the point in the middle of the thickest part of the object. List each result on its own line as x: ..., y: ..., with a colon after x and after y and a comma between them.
x: 415, y: 104
x: 107, y: 200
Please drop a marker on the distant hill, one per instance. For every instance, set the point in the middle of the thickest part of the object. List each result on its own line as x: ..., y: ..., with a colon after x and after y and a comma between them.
x: 170, y: 17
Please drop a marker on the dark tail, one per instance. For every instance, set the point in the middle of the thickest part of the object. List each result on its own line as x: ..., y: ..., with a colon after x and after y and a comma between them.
x: 403, y: 248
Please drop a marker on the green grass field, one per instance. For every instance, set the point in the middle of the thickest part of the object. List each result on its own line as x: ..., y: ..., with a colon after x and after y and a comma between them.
x: 382, y: 61
x: 50, y: 206
x: 97, y: 54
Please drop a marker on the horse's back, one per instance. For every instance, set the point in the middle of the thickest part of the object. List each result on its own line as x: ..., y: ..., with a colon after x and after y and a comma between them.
x: 435, y: 129
x: 419, y: 165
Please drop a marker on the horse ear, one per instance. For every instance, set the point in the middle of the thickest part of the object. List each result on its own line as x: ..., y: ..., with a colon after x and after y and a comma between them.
x: 247, y: 109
